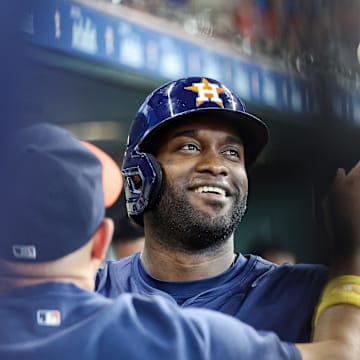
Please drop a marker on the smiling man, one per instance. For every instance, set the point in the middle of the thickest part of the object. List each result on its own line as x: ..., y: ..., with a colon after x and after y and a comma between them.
x: 204, y: 199
x: 186, y: 162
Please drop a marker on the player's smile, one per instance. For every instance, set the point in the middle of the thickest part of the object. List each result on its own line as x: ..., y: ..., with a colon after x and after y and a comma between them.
x: 211, y: 197
x: 210, y: 193
x: 211, y: 190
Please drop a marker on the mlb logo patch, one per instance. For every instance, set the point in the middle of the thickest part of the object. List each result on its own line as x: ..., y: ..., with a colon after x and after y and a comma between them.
x: 48, y: 317
x: 24, y: 251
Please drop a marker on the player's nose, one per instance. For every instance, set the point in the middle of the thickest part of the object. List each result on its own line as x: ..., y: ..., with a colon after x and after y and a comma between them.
x: 213, y: 162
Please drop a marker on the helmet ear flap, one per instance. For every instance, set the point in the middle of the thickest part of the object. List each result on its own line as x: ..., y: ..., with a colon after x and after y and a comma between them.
x: 143, y: 180
x: 157, y: 182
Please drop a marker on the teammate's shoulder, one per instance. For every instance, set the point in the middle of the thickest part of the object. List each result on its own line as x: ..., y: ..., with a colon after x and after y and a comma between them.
x: 114, y: 270
x: 123, y: 262
x: 268, y: 271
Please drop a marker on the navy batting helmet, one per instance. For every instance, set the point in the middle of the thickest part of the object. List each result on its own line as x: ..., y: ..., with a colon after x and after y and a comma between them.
x: 171, y: 102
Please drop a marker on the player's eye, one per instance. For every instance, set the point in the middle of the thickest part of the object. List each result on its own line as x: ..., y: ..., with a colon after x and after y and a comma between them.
x: 232, y: 153
x: 189, y: 147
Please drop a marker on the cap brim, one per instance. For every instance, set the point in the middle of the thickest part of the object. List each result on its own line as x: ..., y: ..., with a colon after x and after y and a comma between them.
x: 111, y: 175
x: 253, y: 131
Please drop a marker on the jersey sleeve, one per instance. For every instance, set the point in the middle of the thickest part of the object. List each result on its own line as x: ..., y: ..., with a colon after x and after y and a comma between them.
x: 195, y: 333
x: 230, y: 338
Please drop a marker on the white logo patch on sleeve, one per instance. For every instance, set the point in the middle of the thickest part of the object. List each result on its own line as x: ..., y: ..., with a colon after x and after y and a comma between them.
x: 48, y: 317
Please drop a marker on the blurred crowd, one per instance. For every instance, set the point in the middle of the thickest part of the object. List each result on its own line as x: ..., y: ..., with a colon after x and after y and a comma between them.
x: 313, y: 36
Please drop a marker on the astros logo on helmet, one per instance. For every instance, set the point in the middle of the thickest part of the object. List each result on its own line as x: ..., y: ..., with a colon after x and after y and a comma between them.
x: 206, y: 92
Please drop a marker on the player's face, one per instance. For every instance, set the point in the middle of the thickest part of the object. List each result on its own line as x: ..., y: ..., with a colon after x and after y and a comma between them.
x: 205, y: 183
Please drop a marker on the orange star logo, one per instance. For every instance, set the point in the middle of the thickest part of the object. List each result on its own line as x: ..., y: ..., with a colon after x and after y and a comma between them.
x: 206, y: 91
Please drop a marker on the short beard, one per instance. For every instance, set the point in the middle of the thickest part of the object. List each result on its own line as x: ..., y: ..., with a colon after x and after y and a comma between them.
x: 180, y: 227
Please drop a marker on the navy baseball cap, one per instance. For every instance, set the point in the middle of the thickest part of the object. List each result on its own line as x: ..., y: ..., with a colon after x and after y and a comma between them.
x: 54, y: 189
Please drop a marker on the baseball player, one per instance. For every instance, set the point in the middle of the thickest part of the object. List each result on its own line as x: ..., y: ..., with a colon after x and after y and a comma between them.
x: 54, y: 190
x: 188, y: 152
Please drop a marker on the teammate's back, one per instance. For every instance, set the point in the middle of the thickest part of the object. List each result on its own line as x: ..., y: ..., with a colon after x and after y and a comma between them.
x: 54, y: 236
x: 60, y: 321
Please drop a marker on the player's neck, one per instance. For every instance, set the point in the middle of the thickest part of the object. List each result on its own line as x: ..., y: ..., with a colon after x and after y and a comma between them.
x: 169, y: 265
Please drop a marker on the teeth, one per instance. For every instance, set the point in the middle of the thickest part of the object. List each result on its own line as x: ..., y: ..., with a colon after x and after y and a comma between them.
x: 210, y: 189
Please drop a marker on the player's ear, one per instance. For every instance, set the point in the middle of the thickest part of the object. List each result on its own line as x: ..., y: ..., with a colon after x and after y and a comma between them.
x: 102, y: 239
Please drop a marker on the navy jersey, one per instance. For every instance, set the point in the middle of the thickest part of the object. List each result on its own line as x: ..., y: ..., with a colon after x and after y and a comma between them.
x: 61, y: 321
x: 266, y: 296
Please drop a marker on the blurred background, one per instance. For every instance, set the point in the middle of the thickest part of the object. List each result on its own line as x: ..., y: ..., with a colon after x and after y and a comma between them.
x: 87, y: 65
